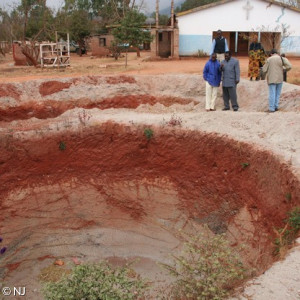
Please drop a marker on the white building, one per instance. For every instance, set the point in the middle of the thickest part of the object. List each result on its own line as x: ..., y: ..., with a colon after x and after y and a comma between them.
x: 238, y: 19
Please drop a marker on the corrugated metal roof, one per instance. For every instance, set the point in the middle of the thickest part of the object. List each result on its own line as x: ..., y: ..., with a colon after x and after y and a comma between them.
x: 203, y: 7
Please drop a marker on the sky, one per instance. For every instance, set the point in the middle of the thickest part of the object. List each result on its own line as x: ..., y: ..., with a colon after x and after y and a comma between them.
x: 149, y: 4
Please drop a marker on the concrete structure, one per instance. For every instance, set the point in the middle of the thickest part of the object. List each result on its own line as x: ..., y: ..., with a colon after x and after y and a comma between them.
x: 238, y: 19
x: 165, y: 43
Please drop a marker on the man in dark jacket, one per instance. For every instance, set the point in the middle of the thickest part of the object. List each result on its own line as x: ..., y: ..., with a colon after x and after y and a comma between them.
x: 230, y: 68
x: 219, y: 46
x: 212, y: 76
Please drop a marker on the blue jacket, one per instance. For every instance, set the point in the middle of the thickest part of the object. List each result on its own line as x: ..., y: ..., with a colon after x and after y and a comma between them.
x: 212, y: 73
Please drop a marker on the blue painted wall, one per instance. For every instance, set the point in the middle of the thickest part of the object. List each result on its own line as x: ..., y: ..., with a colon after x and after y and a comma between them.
x: 291, y: 44
x: 190, y: 44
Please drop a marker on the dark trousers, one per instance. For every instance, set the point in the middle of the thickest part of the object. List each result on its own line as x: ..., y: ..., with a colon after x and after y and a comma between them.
x: 229, y: 93
x: 284, y: 75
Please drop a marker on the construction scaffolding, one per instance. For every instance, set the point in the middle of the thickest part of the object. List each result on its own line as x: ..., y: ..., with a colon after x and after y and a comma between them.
x: 55, y: 54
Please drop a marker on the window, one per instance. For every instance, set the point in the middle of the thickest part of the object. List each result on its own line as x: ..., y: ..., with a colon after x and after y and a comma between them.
x: 102, y: 42
x: 160, y: 36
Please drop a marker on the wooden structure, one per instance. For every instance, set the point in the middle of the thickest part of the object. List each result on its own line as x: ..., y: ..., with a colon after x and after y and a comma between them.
x: 55, y: 54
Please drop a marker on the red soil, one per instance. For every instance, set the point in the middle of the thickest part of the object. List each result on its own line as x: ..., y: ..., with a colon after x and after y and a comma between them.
x: 9, y: 90
x: 206, y: 169
x: 14, y: 266
x: 120, y: 79
x: 53, y: 108
x: 51, y: 87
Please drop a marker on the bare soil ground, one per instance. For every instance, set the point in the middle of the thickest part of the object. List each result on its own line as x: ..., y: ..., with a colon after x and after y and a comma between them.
x: 36, y: 105
x: 87, y: 65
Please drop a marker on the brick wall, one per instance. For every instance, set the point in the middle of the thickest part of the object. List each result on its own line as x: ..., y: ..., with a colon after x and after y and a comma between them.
x: 97, y: 49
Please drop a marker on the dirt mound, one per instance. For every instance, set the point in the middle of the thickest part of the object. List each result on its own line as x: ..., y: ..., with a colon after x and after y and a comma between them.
x: 48, y: 99
x: 51, y: 87
x: 52, y: 109
x: 120, y: 79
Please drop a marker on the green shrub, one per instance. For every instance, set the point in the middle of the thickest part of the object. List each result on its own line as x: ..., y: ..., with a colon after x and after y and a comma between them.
x: 294, y: 220
x: 148, y: 132
x: 202, y: 53
x: 285, y: 236
x: 206, y: 269
x: 288, y: 196
x: 62, y: 146
x: 245, y: 165
x: 95, y: 282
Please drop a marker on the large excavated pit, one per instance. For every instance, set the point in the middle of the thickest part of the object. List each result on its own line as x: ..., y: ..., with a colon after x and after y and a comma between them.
x: 99, y: 168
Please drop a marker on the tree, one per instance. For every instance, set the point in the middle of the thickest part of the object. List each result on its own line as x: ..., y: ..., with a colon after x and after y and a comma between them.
x: 6, y: 26
x: 28, y: 20
x: 274, y: 37
x: 40, y: 22
x: 130, y: 31
x: 76, y: 20
x: 295, y: 3
x: 163, y: 19
x: 109, y: 11
x: 25, y: 8
x: 190, y: 4
x: 79, y: 26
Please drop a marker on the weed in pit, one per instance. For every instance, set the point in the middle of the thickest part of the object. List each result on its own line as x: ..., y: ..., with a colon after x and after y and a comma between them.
x: 83, y: 117
x: 288, y: 196
x: 97, y: 281
x: 285, y: 236
x: 245, y: 165
x: 148, y: 132
x: 206, y: 269
x: 175, y: 121
x: 62, y: 146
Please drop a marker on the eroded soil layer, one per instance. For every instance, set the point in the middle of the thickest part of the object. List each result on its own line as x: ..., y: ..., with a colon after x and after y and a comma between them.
x: 113, y: 176
x: 51, y: 98
x: 53, y: 108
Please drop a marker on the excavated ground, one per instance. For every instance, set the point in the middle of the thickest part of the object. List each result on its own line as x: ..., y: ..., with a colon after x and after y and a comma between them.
x: 80, y: 179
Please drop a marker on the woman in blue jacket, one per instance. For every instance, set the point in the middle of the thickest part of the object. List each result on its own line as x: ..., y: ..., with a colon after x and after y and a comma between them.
x: 212, y: 76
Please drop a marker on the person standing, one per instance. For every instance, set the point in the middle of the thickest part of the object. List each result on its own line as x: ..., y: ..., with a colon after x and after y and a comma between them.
x: 273, y: 69
x: 219, y: 46
x: 284, y: 70
x: 230, y: 68
x: 212, y: 76
x: 256, y: 59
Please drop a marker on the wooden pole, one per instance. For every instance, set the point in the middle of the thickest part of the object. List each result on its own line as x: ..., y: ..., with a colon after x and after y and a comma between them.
x: 157, y: 13
x: 172, y: 13
x: 56, y: 40
x: 157, y: 25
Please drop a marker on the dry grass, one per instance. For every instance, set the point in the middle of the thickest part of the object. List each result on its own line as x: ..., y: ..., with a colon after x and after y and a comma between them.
x: 53, y: 273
